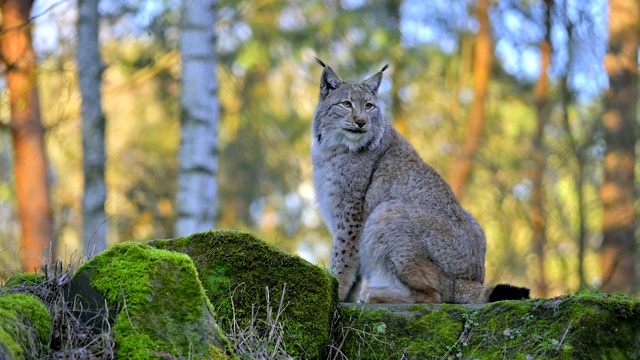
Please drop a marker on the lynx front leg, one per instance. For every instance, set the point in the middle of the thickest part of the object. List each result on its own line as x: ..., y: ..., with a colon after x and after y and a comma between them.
x: 344, y: 264
x: 345, y: 257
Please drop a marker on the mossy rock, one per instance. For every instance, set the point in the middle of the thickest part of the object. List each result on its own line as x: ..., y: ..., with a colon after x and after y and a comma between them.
x: 236, y: 267
x: 25, y: 327
x: 25, y: 279
x: 156, y: 303
x: 588, y: 325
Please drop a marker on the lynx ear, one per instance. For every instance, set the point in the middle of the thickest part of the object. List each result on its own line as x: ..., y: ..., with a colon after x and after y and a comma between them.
x: 329, y: 82
x: 373, y: 83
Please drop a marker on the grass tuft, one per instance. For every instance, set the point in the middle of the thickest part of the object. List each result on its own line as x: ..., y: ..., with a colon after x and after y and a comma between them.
x: 71, y: 338
x: 260, y: 339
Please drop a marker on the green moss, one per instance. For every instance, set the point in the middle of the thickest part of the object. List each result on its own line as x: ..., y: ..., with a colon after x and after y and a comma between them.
x: 162, y: 309
x: 25, y: 326
x: 237, y: 265
x: 608, y: 326
x: 588, y: 325
x: 449, y: 328
x: 513, y: 329
x: 29, y: 279
x: 419, y: 335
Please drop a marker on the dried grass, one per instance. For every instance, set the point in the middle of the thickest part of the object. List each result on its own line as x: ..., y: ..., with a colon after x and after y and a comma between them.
x: 260, y: 339
x: 71, y: 338
x: 75, y: 339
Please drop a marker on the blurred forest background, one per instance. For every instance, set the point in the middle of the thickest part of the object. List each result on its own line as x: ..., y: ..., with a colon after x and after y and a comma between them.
x: 527, y: 107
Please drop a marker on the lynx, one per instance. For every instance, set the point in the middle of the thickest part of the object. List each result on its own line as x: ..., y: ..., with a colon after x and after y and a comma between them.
x: 400, y: 234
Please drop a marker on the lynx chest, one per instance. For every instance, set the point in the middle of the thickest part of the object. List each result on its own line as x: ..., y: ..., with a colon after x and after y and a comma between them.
x: 341, y: 180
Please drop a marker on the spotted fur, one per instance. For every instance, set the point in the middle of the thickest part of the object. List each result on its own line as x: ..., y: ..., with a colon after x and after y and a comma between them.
x: 399, y: 232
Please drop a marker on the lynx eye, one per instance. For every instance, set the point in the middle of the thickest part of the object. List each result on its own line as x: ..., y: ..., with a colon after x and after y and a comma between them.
x: 347, y: 104
x: 369, y: 106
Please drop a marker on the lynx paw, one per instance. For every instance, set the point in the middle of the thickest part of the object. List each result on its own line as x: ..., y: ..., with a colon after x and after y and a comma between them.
x: 384, y: 295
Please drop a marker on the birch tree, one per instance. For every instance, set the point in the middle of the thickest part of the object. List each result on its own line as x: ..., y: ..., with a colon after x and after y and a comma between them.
x: 196, y: 194
x: 31, y: 181
x: 93, y: 125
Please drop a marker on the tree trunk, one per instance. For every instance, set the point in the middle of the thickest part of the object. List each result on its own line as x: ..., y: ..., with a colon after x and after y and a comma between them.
x: 617, y: 192
x: 465, y: 70
x: 538, y: 222
x: 577, y: 154
x: 461, y: 167
x: 579, y: 177
x: 196, y: 194
x: 397, y: 67
x: 32, y: 185
x: 93, y: 125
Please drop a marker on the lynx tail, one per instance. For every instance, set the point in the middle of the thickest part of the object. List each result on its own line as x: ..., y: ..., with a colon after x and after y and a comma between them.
x: 508, y: 292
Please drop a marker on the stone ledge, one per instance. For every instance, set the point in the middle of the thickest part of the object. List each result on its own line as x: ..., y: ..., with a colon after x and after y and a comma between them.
x: 236, y: 267
x: 588, y: 325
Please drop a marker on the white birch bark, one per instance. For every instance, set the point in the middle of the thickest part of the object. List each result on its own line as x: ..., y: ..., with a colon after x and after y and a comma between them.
x: 93, y: 124
x: 196, y: 194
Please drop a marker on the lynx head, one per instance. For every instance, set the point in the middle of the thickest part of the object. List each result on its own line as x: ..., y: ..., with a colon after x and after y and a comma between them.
x: 348, y: 112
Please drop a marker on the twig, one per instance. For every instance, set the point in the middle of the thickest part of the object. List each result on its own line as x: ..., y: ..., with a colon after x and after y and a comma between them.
x: 564, y: 336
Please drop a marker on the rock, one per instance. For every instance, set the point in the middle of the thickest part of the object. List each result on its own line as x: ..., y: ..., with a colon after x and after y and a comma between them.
x: 153, y: 304
x: 25, y: 279
x: 91, y: 306
x: 155, y: 301
x: 236, y: 268
x: 588, y: 325
x: 25, y: 327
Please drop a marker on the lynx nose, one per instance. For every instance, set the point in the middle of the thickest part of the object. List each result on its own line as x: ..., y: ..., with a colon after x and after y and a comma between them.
x: 361, y: 122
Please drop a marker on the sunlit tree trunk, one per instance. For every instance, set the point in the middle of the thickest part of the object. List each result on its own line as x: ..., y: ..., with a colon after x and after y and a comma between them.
x: 32, y: 185
x: 538, y: 221
x: 196, y: 194
x: 93, y: 124
x: 483, y: 57
x: 617, y: 192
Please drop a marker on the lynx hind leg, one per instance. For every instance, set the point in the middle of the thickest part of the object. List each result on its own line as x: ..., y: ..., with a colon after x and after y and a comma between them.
x: 394, y: 262
x: 384, y: 287
x: 406, y: 286
x: 470, y: 292
x: 423, y: 278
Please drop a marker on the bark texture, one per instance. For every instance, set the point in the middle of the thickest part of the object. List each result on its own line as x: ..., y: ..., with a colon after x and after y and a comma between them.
x: 196, y: 195
x: 93, y: 125
x: 31, y: 181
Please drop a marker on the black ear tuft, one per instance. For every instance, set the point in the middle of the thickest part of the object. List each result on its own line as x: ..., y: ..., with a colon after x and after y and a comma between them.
x: 329, y: 81
x: 373, y: 83
x: 383, y: 68
x: 508, y: 292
